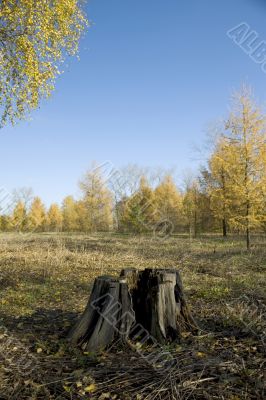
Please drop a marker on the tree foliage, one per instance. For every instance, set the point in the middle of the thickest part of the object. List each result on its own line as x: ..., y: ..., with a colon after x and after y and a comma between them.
x: 36, y: 215
x: 139, y: 214
x: 229, y: 193
x: 218, y: 183
x: 69, y: 214
x: 35, y: 37
x: 237, y: 167
x: 54, y: 218
x: 97, y: 202
x: 168, y: 203
x: 247, y: 154
x: 19, y: 219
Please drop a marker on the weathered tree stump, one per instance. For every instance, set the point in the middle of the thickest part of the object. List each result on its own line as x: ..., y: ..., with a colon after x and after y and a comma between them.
x: 137, y: 305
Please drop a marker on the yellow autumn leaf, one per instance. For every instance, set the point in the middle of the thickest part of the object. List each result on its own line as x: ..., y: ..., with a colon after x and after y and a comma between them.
x: 200, y: 354
x: 90, y: 389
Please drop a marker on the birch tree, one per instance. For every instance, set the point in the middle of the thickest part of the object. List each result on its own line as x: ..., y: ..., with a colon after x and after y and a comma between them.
x: 35, y: 37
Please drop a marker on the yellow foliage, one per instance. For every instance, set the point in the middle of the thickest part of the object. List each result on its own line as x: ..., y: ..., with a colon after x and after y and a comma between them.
x: 238, y: 167
x: 54, y: 218
x: 35, y: 36
x: 19, y: 217
x: 96, y: 207
x: 90, y: 389
x: 168, y: 202
x: 37, y: 214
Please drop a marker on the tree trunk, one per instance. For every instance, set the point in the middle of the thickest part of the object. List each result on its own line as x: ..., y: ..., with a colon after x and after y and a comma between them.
x: 195, y: 225
x: 224, y: 228
x: 248, y: 230
x: 144, y: 305
x: 248, y: 238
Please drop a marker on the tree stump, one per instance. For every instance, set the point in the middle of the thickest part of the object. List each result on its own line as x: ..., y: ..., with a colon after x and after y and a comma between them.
x: 139, y: 305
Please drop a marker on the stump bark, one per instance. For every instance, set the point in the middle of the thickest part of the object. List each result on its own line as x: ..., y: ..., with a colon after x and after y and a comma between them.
x: 139, y: 305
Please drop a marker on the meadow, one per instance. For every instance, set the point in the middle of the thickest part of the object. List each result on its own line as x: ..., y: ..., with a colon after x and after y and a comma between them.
x: 45, y: 282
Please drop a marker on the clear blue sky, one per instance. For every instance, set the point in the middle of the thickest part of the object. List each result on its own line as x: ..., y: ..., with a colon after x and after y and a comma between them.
x: 151, y: 75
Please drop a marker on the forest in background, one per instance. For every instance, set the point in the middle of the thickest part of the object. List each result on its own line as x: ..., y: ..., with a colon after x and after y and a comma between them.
x: 228, y: 195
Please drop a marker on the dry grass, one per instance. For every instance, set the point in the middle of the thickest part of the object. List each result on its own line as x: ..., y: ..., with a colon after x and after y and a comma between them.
x: 45, y: 280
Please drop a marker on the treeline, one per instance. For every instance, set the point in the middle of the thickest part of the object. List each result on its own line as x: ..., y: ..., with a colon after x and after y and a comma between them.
x: 229, y: 193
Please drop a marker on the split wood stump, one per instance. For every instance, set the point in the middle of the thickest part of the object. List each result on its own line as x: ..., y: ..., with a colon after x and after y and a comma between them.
x: 137, y: 306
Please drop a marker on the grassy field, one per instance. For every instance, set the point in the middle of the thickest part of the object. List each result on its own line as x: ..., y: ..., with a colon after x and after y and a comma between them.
x: 45, y: 281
